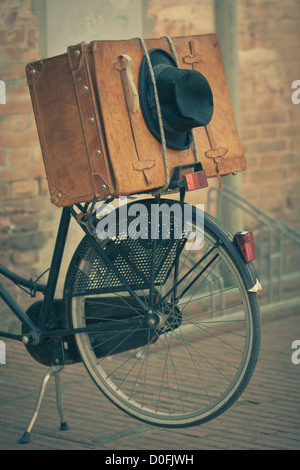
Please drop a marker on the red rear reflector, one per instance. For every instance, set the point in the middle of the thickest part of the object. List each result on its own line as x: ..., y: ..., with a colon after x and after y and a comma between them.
x: 245, y: 241
x: 196, y: 180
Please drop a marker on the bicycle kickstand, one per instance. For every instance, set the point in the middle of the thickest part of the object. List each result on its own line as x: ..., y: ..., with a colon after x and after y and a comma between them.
x: 52, y: 372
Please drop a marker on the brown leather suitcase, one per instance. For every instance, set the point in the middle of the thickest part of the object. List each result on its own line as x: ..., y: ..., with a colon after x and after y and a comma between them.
x: 93, y: 135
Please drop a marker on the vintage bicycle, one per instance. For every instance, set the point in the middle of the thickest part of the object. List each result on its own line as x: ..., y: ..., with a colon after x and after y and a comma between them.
x: 167, y: 330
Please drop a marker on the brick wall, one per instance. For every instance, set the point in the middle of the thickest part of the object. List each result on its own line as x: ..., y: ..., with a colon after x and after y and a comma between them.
x: 269, y: 56
x: 181, y: 17
x: 24, y: 200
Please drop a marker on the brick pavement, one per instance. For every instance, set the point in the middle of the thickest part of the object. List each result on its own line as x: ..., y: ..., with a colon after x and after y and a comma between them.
x: 266, y: 417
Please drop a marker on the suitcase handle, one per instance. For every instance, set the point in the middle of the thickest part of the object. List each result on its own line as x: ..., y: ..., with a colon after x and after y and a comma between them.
x: 123, y: 65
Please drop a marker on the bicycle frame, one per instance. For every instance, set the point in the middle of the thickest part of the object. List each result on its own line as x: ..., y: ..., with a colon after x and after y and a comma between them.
x: 47, y: 289
x: 37, y: 331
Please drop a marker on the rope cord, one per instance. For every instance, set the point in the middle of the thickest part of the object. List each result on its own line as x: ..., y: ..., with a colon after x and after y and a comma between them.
x: 174, y: 53
x: 160, y: 121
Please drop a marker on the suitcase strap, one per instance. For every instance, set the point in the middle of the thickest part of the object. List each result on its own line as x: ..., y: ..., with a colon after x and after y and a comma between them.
x: 89, y: 119
x: 123, y: 65
x: 216, y: 153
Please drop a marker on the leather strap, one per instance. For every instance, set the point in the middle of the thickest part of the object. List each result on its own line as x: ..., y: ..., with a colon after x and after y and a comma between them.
x: 90, y: 120
x: 123, y: 65
x: 194, y: 56
x: 214, y: 152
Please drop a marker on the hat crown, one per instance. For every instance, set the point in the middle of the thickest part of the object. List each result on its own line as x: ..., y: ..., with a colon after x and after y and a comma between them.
x: 185, y: 98
x: 183, y: 93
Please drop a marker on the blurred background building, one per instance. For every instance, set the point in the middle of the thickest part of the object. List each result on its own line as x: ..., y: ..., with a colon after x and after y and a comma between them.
x: 261, y: 47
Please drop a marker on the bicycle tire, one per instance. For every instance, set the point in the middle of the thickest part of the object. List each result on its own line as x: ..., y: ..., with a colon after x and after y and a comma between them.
x: 177, y: 383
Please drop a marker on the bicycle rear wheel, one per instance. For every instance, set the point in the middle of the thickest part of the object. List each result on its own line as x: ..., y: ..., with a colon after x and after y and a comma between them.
x: 191, y: 355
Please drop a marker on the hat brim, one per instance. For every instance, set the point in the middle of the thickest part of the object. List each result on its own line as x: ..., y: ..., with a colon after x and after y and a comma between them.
x: 176, y: 141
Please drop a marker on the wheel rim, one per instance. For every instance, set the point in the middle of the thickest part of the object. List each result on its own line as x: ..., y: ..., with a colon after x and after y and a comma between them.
x: 191, y: 361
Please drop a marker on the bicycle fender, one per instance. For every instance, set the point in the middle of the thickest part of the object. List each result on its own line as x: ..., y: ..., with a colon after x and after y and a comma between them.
x: 246, y: 270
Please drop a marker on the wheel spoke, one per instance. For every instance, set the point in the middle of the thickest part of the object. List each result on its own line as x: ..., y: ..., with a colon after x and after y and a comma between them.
x: 187, y: 358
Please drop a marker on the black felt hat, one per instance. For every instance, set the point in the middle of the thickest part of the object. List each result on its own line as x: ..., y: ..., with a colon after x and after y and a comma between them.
x: 185, y: 97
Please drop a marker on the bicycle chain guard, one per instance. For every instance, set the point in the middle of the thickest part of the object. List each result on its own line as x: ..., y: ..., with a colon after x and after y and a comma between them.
x: 52, y: 351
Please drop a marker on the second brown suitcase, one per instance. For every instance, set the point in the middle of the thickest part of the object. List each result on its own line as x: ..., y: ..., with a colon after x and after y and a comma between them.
x: 94, y: 138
